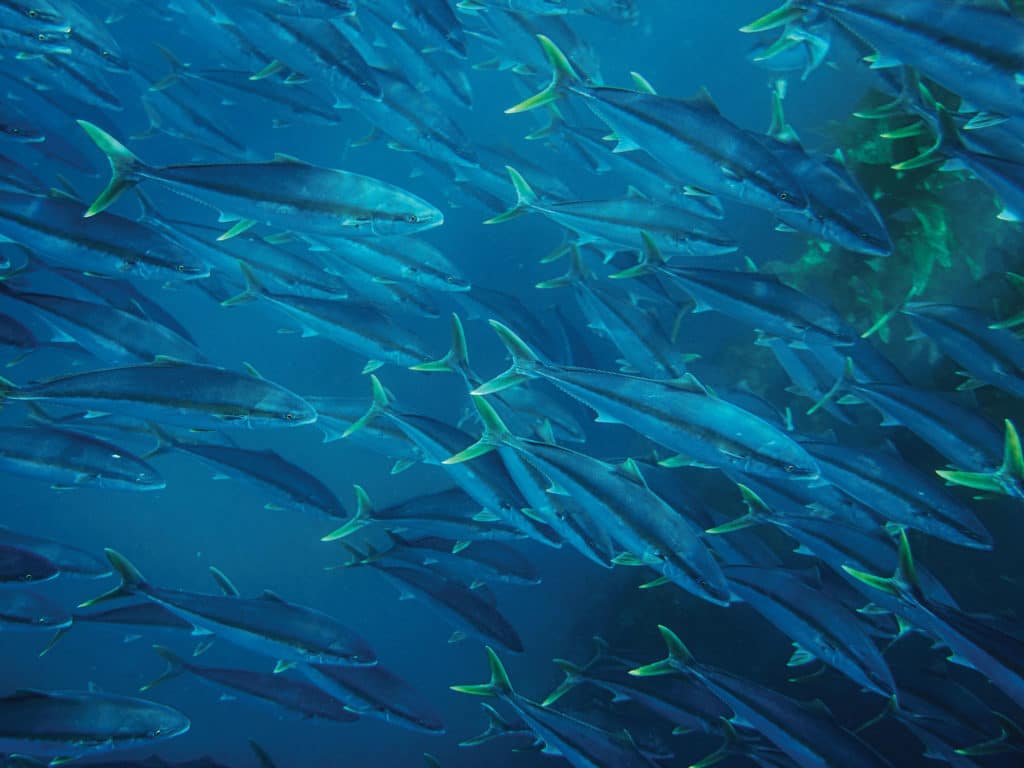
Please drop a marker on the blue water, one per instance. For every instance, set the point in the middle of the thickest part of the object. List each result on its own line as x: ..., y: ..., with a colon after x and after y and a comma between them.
x: 174, y: 534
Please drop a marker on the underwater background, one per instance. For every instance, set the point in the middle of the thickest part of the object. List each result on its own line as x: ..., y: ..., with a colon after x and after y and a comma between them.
x: 947, y: 247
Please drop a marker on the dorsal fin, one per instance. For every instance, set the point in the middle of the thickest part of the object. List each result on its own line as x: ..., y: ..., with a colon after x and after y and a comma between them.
x: 703, y: 100
x: 273, y: 597
x: 280, y: 157
x: 225, y: 584
x: 168, y: 360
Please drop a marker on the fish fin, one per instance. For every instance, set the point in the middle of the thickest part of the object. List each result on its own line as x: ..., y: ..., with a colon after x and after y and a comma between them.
x: 524, y: 360
x: 842, y: 382
x: 496, y: 727
x: 573, y: 677
x: 575, y: 274
x: 204, y: 645
x: 131, y: 580
x: 125, y: 167
x: 495, y: 434
x: 650, y: 259
x: 253, y: 288
x: 661, y: 581
x: 175, y: 666
x: 1004, y: 480
x: 381, y: 401
x: 499, y: 683
x: 678, y: 656
x: 284, y: 666
x: 401, y: 465
x: 239, y: 227
x: 272, y: 68
x: 777, y: 18
x: 800, y: 657
x: 362, y: 517
x: 526, y: 198
x: 562, y: 75
x: 642, y: 84
x: 225, y: 584
x: 455, y: 360
x: 262, y: 756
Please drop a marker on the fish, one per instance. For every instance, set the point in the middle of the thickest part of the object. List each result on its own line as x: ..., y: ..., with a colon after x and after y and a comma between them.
x: 690, y: 138
x: 68, y: 460
x: 759, y: 300
x: 69, y: 724
x: 974, y: 641
x: 616, y: 224
x: 688, y: 707
x: 810, y: 737
x: 450, y: 513
x: 680, y: 414
x: 452, y: 601
x: 377, y: 692
x: 285, y: 193
x: 896, y: 491
x: 22, y: 566
x: 471, y: 563
x: 268, y: 624
x: 287, y: 485
x: 287, y: 694
x: 358, y: 326
x: 27, y: 611
x: 578, y: 742
x: 941, y: 44
x: 172, y: 392
x: 821, y: 627
x: 487, y: 482
x: 991, y: 355
x: 617, y: 502
x: 110, y: 334
x: 112, y: 245
x: 70, y: 561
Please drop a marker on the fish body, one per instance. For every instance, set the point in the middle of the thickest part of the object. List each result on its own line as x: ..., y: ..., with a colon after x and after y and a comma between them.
x: 70, y: 724
x: 284, y: 193
x: 172, y: 392
x: 67, y: 459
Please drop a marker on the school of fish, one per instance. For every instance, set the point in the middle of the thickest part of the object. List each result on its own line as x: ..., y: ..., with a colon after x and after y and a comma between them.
x: 796, y: 464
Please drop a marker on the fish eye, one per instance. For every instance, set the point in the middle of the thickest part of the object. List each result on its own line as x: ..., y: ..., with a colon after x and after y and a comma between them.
x: 290, y: 416
x: 412, y: 218
x: 41, y: 37
x: 27, y: 577
x: 181, y: 267
x: 789, y: 469
x: 449, y: 279
x: 783, y: 195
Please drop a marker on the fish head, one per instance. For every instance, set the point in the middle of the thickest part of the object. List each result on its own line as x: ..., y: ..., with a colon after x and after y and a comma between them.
x: 21, y: 133
x: 145, y: 721
x: 800, y: 468
x: 174, y: 264
x: 114, y: 62
x: 148, y: 479
x: 42, y: 14
x: 350, y: 649
x: 405, y: 217
x: 279, y: 407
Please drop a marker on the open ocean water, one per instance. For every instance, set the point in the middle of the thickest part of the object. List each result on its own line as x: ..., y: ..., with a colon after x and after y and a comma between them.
x: 779, y: 265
